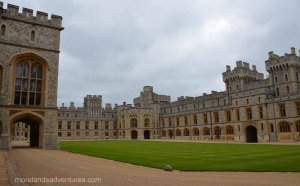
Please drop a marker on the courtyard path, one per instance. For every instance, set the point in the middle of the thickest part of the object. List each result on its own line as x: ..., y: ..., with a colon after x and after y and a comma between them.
x: 39, y: 163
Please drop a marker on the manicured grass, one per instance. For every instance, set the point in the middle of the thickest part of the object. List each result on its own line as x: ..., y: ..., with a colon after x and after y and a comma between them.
x: 194, y: 156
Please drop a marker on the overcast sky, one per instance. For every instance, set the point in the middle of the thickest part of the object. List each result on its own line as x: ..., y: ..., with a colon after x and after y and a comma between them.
x: 181, y: 47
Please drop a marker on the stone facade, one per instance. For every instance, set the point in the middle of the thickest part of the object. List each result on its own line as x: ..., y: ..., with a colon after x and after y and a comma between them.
x: 251, y: 109
x: 29, y: 50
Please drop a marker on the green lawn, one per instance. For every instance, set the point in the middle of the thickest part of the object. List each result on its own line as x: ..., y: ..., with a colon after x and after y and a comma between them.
x: 193, y: 156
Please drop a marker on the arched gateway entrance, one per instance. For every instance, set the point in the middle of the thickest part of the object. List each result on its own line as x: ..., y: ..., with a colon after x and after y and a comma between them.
x: 134, y: 134
x: 146, y: 134
x: 33, y: 123
x: 251, y: 134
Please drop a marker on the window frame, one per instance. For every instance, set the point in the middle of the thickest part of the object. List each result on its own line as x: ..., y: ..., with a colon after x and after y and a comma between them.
x: 34, y: 60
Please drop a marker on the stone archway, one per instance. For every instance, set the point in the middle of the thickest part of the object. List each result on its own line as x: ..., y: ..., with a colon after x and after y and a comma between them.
x: 134, y: 134
x: 170, y: 133
x: 35, y: 128
x: 251, y: 134
x: 217, y: 131
x: 146, y: 134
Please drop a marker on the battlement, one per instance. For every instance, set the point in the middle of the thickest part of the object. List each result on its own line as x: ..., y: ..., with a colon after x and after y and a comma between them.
x: 27, y: 15
x: 279, y: 62
x: 242, y: 70
x: 94, y: 96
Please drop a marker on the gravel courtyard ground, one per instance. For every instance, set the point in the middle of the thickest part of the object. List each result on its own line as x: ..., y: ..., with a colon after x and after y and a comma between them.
x: 54, y: 163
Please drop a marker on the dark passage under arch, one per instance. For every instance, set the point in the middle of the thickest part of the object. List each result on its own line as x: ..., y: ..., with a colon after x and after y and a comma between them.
x: 146, y: 134
x: 251, y: 134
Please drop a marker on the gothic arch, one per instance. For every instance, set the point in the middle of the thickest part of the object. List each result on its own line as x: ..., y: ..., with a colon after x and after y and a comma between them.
x: 36, y: 123
x: 35, y: 68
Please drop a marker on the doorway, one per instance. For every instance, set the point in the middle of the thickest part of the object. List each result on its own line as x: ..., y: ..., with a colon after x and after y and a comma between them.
x: 134, y: 134
x: 146, y: 134
x: 251, y: 134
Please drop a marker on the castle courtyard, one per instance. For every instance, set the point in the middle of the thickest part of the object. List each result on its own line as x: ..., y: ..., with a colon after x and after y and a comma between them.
x: 31, y: 163
x: 239, y: 106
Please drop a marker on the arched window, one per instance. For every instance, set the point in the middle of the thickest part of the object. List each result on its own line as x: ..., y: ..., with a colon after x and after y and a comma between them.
x: 32, y: 36
x: 133, y: 123
x: 28, y: 83
x: 206, y: 131
x: 271, y: 128
x: 178, y: 132
x: 1, y: 77
x: 186, y: 132
x: 284, y: 127
x: 298, y: 126
x: 277, y: 91
x: 163, y: 133
x: 147, y: 122
x: 3, y: 30
x: 229, y: 130
x: 195, y: 131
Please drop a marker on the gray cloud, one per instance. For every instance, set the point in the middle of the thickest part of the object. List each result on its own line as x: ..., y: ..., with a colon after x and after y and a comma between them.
x: 181, y: 47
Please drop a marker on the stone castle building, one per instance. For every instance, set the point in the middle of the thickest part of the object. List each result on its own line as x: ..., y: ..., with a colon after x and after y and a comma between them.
x: 251, y: 109
x: 29, y: 58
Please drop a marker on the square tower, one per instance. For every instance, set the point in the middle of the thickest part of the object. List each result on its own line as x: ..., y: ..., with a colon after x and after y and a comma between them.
x: 29, y: 59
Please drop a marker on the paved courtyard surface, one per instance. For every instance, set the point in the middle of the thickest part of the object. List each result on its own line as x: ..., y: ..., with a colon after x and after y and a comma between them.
x: 3, y: 168
x: 38, y: 163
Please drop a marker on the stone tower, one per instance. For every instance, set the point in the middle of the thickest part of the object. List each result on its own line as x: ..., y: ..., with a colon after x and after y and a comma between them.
x: 93, y: 104
x: 29, y: 59
x: 284, y: 72
x: 240, y: 76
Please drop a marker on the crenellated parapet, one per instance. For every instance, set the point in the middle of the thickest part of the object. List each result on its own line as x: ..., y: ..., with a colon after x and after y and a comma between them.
x: 276, y: 62
x: 27, y: 15
x: 241, y: 71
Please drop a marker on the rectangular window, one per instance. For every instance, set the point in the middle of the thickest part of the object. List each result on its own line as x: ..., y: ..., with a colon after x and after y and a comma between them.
x: 77, y: 126
x: 177, y: 121
x: 170, y: 122
x: 228, y: 115
x: 216, y: 117
x: 96, y: 125
x: 59, y: 126
x: 205, y: 118
x: 261, y: 114
x: 69, y: 125
x: 69, y: 134
x: 298, y: 108
x: 59, y: 134
x: 237, y: 111
x: 282, y: 110
x: 86, y: 125
x: 106, y: 125
x: 195, y: 119
x: 249, y: 113
x: 186, y: 122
